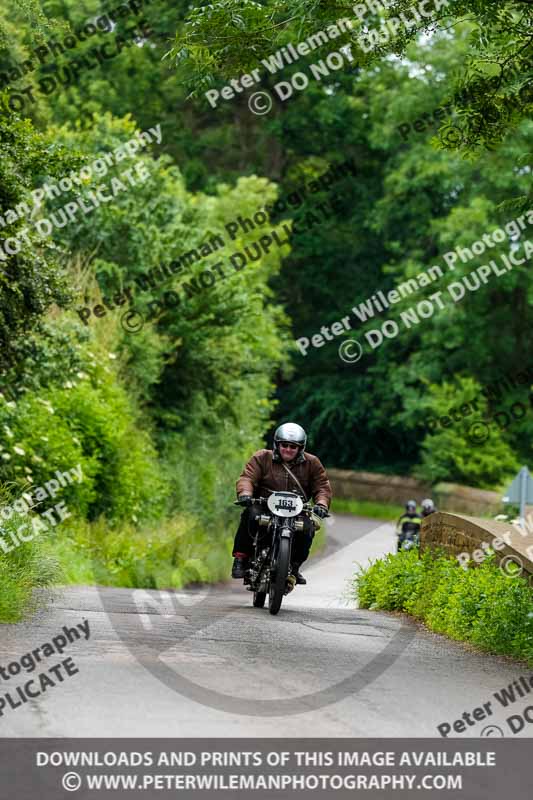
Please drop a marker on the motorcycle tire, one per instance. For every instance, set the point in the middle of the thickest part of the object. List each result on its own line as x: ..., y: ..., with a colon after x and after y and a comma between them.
x: 259, y: 599
x: 279, y: 582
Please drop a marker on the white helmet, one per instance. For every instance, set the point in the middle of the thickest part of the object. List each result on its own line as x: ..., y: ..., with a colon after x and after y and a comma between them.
x: 428, y: 506
x: 290, y: 432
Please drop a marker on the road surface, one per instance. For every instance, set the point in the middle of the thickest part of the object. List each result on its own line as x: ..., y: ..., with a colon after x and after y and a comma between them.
x: 204, y: 662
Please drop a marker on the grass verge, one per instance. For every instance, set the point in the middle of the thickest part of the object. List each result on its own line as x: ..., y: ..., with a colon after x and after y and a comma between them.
x: 23, y: 568
x: 367, y: 508
x: 176, y: 552
x: 479, y: 605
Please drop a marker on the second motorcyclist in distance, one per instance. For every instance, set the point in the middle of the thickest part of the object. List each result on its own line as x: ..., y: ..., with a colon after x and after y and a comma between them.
x: 270, y: 471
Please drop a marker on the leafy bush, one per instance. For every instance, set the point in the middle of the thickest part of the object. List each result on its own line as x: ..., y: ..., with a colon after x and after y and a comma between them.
x: 481, y: 606
x: 89, y: 420
x: 450, y: 454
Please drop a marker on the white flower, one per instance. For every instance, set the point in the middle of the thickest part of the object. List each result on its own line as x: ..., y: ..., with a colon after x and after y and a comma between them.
x: 112, y: 355
x: 19, y: 451
x: 81, y: 375
x: 9, y: 432
x: 67, y: 385
x: 38, y: 459
x: 6, y: 456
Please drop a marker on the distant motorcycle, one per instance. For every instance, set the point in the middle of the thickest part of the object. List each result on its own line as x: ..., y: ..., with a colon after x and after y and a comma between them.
x: 269, y: 570
x: 409, y: 537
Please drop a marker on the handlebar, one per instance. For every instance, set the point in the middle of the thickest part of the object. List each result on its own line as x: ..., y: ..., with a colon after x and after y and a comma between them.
x: 263, y: 501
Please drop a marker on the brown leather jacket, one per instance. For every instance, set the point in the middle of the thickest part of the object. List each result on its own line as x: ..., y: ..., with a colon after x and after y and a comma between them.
x: 262, y: 474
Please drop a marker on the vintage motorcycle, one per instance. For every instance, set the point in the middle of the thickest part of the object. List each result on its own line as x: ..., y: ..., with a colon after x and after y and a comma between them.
x: 269, y: 570
x: 410, y: 536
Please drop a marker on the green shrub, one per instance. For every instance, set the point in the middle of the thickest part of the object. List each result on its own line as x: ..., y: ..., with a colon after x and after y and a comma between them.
x: 447, y: 453
x: 478, y: 605
x: 90, y: 421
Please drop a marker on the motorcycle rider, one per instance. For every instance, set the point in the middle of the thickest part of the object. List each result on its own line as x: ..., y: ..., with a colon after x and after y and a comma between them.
x: 270, y: 471
x: 408, y: 522
x: 428, y: 507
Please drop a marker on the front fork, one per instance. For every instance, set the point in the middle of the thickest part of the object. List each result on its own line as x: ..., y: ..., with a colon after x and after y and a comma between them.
x: 286, y: 533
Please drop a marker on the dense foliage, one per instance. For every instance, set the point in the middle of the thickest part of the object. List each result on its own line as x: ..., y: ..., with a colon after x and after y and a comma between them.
x: 480, y: 605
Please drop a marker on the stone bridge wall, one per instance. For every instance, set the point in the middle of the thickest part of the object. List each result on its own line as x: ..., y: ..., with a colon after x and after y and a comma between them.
x: 397, y: 490
x: 457, y: 534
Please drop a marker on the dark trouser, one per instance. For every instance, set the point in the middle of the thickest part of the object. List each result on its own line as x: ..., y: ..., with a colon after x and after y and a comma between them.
x: 243, y: 544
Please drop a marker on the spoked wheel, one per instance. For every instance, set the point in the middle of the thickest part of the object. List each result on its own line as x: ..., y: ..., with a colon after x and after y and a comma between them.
x: 259, y: 599
x: 279, y: 579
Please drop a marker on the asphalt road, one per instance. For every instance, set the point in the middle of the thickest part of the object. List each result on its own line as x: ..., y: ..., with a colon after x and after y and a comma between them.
x: 204, y: 662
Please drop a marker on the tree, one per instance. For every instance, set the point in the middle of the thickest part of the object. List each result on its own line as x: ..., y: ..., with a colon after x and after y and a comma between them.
x: 493, y: 91
x: 30, y: 279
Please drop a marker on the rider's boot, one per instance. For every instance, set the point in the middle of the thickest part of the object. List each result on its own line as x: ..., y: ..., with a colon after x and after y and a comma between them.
x: 240, y: 565
x: 300, y: 580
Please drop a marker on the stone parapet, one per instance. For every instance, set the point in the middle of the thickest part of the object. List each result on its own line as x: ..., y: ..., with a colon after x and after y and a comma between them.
x: 376, y: 487
x: 455, y: 534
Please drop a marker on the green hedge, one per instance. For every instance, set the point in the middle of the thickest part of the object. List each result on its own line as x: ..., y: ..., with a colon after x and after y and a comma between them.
x: 479, y: 605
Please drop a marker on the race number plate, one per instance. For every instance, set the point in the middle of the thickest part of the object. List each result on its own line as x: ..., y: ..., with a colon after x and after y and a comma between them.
x: 285, y: 504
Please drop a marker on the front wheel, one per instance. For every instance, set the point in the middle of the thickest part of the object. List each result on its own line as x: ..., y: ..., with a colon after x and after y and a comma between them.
x: 278, y: 583
x: 259, y: 599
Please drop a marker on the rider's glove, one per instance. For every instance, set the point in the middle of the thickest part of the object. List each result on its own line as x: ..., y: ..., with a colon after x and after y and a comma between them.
x: 245, y: 500
x: 320, y: 510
